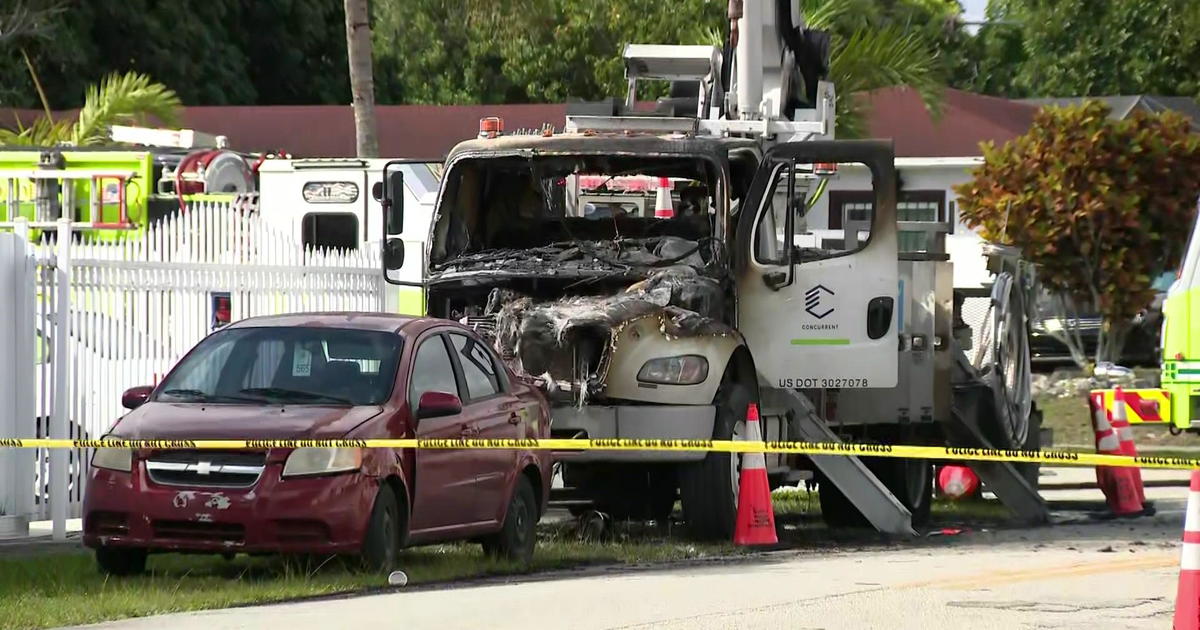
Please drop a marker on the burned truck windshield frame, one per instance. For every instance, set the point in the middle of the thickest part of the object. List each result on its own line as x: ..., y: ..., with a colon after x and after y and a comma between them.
x: 498, y: 205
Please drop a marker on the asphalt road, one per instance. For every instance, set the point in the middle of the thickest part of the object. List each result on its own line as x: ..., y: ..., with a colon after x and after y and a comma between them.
x: 1076, y: 574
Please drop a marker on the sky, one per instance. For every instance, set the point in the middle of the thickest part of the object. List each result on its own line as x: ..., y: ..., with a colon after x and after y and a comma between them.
x: 973, y: 9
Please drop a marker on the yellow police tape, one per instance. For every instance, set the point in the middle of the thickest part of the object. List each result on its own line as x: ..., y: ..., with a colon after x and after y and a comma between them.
x: 1066, y: 458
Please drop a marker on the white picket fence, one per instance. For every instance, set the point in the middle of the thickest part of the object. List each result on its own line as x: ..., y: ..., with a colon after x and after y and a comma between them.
x: 138, y: 303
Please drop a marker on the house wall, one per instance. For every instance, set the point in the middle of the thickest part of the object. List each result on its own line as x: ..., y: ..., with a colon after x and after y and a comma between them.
x: 926, y: 184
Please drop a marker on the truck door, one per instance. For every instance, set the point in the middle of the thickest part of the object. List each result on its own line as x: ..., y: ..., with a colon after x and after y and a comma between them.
x: 818, y: 285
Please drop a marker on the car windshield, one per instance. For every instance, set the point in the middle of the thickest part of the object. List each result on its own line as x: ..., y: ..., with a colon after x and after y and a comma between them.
x: 292, y: 365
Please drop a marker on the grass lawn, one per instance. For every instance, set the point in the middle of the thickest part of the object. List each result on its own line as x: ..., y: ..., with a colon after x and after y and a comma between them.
x: 1072, y: 427
x: 790, y: 503
x: 64, y: 588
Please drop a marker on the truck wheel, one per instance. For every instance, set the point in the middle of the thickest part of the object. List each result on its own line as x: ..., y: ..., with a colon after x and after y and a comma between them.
x: 517, y: 538
x: 381, y: 545
x: 121, y: 561
x: 708, y: 488
x: 911, y: 480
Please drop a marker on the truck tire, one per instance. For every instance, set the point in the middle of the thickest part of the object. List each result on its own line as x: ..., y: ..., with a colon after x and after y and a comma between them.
x: 911, y: 480
x: 708, y: 488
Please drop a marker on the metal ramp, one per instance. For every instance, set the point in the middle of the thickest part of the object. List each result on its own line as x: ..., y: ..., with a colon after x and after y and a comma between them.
x: 877, y: 504
x: 1016, y: 487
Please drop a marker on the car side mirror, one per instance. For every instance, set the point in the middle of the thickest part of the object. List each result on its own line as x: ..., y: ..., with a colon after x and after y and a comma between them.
x: 437, y: 405
x: 135, y: 397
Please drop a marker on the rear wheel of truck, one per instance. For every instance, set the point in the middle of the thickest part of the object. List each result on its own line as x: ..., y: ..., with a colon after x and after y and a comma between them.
x: 708, y: 488
x: 121, y: 561
x: 911, y: 480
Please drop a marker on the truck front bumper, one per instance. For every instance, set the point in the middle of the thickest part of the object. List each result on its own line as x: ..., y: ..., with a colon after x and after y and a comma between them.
x: 676, y: 422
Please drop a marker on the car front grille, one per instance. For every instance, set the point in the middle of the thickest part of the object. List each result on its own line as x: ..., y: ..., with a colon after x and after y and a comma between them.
x: 206, y: 468
x: 199, y: 531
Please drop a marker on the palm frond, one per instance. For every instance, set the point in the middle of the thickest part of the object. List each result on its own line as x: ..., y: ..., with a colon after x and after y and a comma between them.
x: 879, y: 58
x: 823, y: 14
x: 120, y: 99
x: 44, y: 132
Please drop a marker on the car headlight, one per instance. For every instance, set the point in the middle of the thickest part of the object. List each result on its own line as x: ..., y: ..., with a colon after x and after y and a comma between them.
x: 688, y: 369
x: 1052, y: 325
x: 321, y: 461
x: 113, y: 459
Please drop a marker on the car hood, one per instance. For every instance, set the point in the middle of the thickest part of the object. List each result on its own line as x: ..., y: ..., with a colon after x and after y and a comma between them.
x: 194, y: 421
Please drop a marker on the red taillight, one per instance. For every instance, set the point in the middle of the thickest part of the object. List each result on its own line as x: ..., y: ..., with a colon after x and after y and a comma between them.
x: 490, y: 127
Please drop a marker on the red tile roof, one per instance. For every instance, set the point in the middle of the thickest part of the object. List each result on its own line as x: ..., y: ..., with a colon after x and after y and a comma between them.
x: 429, y: 131
x: 414, y: 131
x: 967, y: 119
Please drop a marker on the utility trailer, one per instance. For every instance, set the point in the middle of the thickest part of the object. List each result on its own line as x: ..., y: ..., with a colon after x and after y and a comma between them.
x: 651, y: 327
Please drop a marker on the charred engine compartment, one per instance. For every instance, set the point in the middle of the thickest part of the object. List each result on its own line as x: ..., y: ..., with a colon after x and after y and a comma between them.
x: 549, y: 256
x: 553, y: 312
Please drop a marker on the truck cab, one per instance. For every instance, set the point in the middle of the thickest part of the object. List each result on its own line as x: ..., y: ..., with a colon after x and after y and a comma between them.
x: 663, y: 325
x: 1181, y: 340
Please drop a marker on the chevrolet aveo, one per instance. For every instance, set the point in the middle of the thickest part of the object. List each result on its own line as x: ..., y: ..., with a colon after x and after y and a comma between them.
x: 323, y: 376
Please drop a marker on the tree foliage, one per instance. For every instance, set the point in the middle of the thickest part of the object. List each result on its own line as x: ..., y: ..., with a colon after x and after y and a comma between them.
x: 1086, y: 48
x: 130, y: 98
x: 1100, y: 205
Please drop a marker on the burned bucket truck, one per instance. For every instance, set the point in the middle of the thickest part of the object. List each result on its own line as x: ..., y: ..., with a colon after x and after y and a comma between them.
x: 641, y: 321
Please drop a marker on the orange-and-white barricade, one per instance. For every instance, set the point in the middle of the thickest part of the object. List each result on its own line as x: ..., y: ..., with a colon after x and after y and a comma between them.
x: 1187, y: 598
x: 1118, y: 484
x: 664, y: 208
x: 755, y: 524
x: 1142, y: 406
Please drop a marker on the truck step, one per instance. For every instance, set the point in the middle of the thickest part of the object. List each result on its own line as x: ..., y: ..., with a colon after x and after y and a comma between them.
x: 877, y: 504
x: 1016, y: 487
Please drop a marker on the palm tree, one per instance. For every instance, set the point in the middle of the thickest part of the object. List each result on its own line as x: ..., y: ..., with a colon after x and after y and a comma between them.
x: 362, y: 82
x: 117, y: 99
x: 872, y: 57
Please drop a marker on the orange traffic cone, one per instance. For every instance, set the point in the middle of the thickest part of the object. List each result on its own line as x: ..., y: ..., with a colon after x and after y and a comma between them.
x: 1187, y: 598
x: 1120, y: 424
x: 1117, y: 483
x: 663, y: 207
x: 957, y: 482
x: 755, y: 523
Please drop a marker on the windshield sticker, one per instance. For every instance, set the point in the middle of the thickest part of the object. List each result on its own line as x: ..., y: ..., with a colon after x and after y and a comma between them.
x: 302, y: 362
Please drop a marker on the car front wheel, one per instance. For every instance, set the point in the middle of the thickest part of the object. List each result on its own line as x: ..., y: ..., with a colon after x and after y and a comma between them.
x: 517, y: 538
x: 381, y: 545
x: 121, y: 561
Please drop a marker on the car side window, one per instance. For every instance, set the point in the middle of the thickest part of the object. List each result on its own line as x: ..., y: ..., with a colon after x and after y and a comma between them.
x: 431, y: 371
x: 479, y: 370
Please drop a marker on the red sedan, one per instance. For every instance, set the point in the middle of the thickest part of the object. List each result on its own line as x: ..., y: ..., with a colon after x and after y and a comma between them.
x: 323, y: 376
